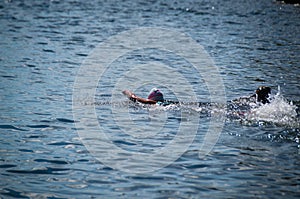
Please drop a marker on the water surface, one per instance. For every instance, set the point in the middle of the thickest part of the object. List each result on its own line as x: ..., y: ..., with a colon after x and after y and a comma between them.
x: 44, y: 43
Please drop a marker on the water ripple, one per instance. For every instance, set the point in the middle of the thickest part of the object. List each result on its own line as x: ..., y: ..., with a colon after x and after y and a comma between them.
x: 46, y: 170
x: 5, y: 126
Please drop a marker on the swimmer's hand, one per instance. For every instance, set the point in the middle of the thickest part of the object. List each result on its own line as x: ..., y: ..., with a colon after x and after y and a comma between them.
x: 130, y: 95
x: 135, y: 98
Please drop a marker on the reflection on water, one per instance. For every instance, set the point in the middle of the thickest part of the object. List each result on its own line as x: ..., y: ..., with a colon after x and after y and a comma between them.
x: 43, y: 44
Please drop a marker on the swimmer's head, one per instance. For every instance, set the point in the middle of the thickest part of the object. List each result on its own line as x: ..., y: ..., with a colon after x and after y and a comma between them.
x: 156, y: 95
x: 263, y: 93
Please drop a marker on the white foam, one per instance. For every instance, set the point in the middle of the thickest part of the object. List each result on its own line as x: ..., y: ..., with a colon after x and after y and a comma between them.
x: 278, y: 111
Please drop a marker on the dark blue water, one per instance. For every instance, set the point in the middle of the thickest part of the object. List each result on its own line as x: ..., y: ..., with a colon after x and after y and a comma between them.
x: 43, y: 45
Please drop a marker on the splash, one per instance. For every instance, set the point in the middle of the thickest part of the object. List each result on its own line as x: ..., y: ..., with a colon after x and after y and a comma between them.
x: 278, y: 111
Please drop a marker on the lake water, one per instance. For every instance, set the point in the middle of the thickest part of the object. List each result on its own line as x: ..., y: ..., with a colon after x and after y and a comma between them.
x: 45, y: 45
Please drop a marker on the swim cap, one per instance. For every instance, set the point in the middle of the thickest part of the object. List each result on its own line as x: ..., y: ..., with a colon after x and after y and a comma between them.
x: 262, y: 94
x: 156, y: 95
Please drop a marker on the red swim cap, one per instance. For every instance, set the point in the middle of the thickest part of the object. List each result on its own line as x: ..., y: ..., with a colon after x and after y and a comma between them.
x: 156, y: 95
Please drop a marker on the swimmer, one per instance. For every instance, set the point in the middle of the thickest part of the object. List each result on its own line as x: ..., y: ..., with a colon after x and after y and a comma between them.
x: 156, y: 97
x: 261, y: 95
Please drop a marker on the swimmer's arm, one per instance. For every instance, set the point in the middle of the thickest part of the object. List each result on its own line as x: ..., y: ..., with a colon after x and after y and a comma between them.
x: 135, y: 98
